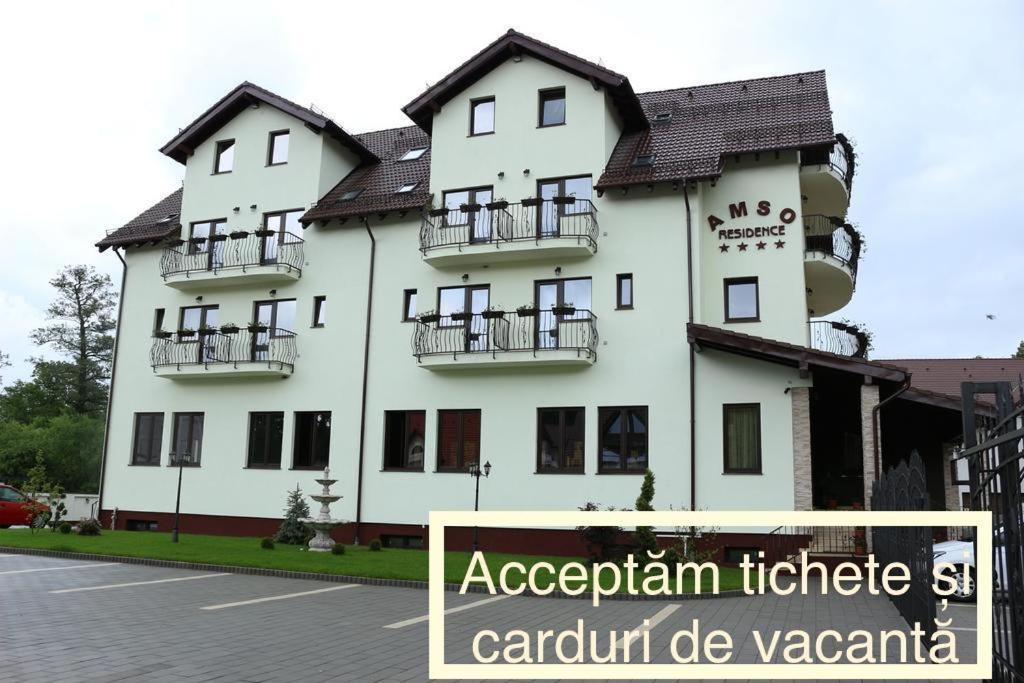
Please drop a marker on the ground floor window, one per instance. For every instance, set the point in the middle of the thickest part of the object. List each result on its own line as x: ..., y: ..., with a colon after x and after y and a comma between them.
x: 458, y: 439
x: 188, y: 439
x: 140, y: 525
x: 266, y: 431
x: 560, y: 439
x: 312, y: 440
x: 742, y: 437
x: 403, y: 439
x: 393, y: 541
x: 742, y: 300
x: 149, y: 431
x: 733, y: 555
x: 623, y: 439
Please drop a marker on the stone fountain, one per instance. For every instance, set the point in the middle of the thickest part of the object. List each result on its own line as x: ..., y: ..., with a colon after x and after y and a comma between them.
x: 323, y: 524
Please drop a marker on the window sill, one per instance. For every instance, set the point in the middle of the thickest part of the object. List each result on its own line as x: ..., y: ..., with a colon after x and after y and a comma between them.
x: 194, y: 465
x: 143, y: 464
x: 742, y: 472
x: 309, y: 468
x: 262, y: 467
x: 280, y: 163
x: 560, y: 472
x: 624, y: 308
x: 401, y: 469
x: 452, y: 470
x: 220, y: 172
x: 618, y: 473
x: 317, y: 327
x: 550, y: 125
x: 480, y: 135
x: 741, y: 320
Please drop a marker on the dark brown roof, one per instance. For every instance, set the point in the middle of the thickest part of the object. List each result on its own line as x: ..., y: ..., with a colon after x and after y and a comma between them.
x: 225, y: 109
x: 944, y: 375
x: 377, y: 182
x: 709, y: 121
x: 421, y: 110
x: 155, y: 223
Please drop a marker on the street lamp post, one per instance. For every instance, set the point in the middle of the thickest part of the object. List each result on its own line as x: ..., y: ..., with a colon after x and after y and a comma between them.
x: 476, y: 473
x: 182, y: 460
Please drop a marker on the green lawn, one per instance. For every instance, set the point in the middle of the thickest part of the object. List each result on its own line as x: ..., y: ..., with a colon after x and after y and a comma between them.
x: 246, y: 552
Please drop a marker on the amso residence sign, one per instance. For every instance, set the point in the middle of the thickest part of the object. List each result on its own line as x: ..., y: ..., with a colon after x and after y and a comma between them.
x: 773, y: 231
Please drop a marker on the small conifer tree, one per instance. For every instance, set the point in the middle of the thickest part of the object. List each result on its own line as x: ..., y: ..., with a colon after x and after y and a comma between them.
x: 644, y: 536
x: 293, y: 530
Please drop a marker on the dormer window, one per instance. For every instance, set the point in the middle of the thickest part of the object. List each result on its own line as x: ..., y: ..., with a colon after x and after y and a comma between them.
x: 224, y: 157
x: 663, y: 117
x: 413, y: 154
x: 552, y: 107
x: 277, y: 150
x: 408, y: 187
x: 643, y: 160
x: 481, y: 116
x: 350, y: 195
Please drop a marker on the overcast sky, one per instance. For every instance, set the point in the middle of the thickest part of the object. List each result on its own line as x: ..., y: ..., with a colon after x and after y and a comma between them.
x: 931, y: 93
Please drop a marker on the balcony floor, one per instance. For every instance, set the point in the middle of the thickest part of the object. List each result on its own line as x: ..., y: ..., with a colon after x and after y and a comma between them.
x: 830, y: 283
x: 503, y: 252
x: 551, y: 358
x: 204, y: 279
x: 250, y: 369
x: 825, y: 191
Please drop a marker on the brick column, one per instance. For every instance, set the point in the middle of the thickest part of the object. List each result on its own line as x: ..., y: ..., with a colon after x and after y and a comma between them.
x: 868, y: 400
x: 951, y: 489
x: 801, y: 398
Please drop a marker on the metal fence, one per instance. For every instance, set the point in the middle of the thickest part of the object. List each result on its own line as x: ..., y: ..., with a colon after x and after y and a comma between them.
x: 238, y: 250
x: 501, y: 222
x: 273, y: 346
x: 532, y: 331
x: 840, y: 338
x: 832, y: 236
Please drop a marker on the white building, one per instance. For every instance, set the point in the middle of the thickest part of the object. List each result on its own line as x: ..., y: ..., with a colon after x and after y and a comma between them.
x: 694, y: 237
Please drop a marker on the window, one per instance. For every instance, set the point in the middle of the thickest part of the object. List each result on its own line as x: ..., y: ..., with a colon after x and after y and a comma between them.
x: 350, y: 195
x: 560, y: 440
x: 548, y: 222
x: 202, y: 244
x: 473, y: 300
x: 413, y: 154
x: 278, y: 316
x: 407, y: 188
x: 10, y: 495
x: 458, y: 439
x: 319, y: 311
x: 663, y: 117
x: 312, y: 440
x: 736, y: 555
x: 624, y: 290
x: 742, y: 437
x: 266, y: 431
x: 481, y: 118
x: 393, y: 541
x: 409, y: 306
x: 644, y: 160
x: 623, y: 439
x: 552, y: 107
x: 277, y: 150
x: 194, y: 319
x: 149, y: 432
x: 741, y: 300
x: 140, y: 525
x: 224, y: 156
x: 188, y: 438
x: 403, y: 439
x: 477, y: 221
x: 158, y: 320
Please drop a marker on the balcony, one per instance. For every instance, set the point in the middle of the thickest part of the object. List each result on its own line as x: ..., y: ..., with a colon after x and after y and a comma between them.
x: 525, y: 337
x: 260, y: 352
x: 839, y: 338
x: 556, y: 228
x: 243, y: 257
x: 831, y: 254
x: 826, y: 178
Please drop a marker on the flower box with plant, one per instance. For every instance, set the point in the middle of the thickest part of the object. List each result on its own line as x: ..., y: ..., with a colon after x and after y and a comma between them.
x: 186, y: 332
x: 163, y: 334
x: 430, y: 317
x: 563, y: 309
x: 229, y: 328
x: 470, y: 208
x: 239, y: 234
x: 461, y: 316
x: 527, y: 311
x: 435, y: 213
x: 492, y: 313
x: 563, y: 200
x: 206, y: 331
x: 218, y: 237
x: 177, y: 242
x: 499, y: 204
x: 263, y: 232
x: 531, y: 201
x: 197, y: 241
x: 257, y: 327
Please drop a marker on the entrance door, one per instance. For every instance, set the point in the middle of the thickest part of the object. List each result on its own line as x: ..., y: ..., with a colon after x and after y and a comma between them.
x: 477, y: 223
x: 285, y: 226
x: 550, y: 213
x: 212, y: 251
x: 198, y: 319
x: 279, y: 319
x: 455, y: 302
x: 551, y: 293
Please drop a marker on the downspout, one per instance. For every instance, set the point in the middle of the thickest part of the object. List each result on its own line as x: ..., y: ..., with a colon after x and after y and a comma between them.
x: 113, y: 371
x: 693, y: 359
x: 874, y: 422
x: 366, y: 376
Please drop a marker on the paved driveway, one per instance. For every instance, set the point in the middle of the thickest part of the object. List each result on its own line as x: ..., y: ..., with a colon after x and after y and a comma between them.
x: 70, y: 620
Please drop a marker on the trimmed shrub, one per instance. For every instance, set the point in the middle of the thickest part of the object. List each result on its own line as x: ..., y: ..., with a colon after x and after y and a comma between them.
x: 64, y: 527
x: 338, y: 549
x: 375, y: 545
x: 89, y: 527
x: 267, y: 543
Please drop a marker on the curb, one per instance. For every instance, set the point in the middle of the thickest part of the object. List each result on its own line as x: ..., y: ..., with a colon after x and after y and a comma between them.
x: 343, y: 578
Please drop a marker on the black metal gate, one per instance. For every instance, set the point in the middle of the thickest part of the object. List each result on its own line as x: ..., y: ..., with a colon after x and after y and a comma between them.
x: 903, y: 488
x: 994, y: 451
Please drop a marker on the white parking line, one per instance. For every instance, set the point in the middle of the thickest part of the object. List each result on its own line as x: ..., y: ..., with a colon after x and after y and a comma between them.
x: 55, y: 569
x: 280, y: 597
x: 138, y: 583
x: 649, y: 624
x: 453, y: 610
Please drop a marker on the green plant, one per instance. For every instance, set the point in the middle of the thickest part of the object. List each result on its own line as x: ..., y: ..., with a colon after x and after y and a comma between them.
x: 646, y: 541
x: 602, y: 542
x: 338, y: 549
x: 65, y: 527
x: 293, y: 530
x: 375, y: 545
x: 267, y: 543
x: 89, y: 527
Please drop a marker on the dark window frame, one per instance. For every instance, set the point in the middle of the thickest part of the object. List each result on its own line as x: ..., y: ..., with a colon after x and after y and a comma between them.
x: 319, y: 306
x: 561, y: 210
x: 401, y: 188
x: 471, y: 198
x: 546, y: 95
x: 562, y: 455
x: 623, y: 436
x: 153, y: 460
x: 407, y: 299
x: 201, y: 342
x: 282, y: 234
x: 265, y: 464
x: 272, y: 138
x: 209, y: 248
x: 619, y: 279
x: 726, y: 469
x: 313, y: 444
x: 749, y: 280
x: 196, y: 462
x: 406, y: 414
x: 462, y: 465
x: 422, y: 149
x: 472, y: 115
x: 218, y: 149
x: 158, y: 319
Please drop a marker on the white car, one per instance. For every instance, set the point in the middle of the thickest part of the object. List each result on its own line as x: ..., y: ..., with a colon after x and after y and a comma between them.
x: 961, y: 554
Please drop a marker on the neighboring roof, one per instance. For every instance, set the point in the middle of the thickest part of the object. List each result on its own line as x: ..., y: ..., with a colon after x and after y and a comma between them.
x: 378, y: 181
x: 421, y: 109
x: 944, y: 375
x: 710, y: 121
x: 155, y: 223
x: 246, y: 94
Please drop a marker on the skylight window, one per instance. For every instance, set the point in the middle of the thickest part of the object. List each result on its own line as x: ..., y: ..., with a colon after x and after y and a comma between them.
x: 663, y: 117
x: 408, y: 187
x: 644, y: 160
x: 350, y: 195
x: 170, y: 217
x: 414, y: 153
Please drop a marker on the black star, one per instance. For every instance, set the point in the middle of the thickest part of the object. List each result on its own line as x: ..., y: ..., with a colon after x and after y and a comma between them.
x: 743, y: 246
x: 723, y: 248
x: 779, y: 244
x: 761, y: 245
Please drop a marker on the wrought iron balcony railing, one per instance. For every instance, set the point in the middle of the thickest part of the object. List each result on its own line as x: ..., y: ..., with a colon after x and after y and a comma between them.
x: 832, y: 236
x: 839, y: 338
x: 270, y: 345
x: 524, y: 330
x: 500, y: 222
x: 239, y: 250
x: 842, y: 160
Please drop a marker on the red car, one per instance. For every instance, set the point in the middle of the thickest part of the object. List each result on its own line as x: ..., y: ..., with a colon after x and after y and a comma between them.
x: 16, y: 508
